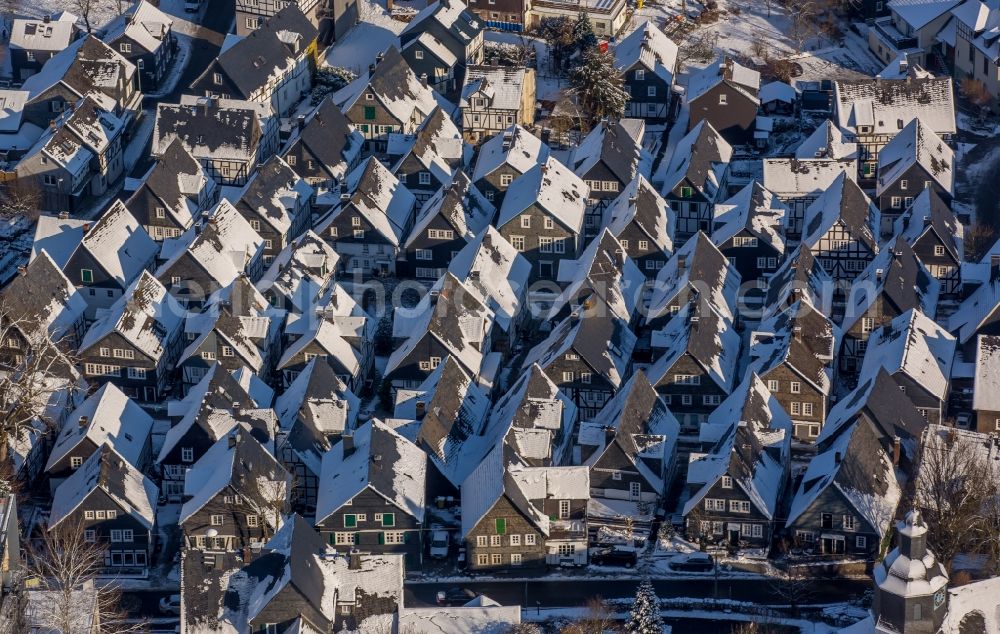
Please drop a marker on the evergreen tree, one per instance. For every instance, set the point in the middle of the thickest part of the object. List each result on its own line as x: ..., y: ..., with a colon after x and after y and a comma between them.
x: 583, y: 33
x: 644, y: 617
x: 558, y: 34
x: 598, y: 84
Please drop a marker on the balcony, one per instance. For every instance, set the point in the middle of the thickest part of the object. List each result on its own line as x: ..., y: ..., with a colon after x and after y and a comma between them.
x: 891, y: 37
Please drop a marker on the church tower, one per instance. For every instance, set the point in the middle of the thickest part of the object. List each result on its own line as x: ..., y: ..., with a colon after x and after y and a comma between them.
x: 911, y: 587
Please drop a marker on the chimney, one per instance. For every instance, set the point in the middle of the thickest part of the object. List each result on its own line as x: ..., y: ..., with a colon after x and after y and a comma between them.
x: 896, y: 451
x: 354, y: 560
x: 878, y: 276
x: 994, y: 267
x: 22, y: 270
x: 348, y: 442
x: 371, y: 69
x: 797, y: 333
x: 83, y: 421
x: 232, y: 439
x: 86, y: 227
x: 46, y: 19
x: 681, y: 263
x: 421, y: 409
x: 836, y: 457
x: 423, y: 79
x: 63, y: 215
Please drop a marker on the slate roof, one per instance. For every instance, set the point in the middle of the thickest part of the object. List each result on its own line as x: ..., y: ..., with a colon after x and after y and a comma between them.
x: 42, y: 300
x: 915, y: 345
x: 143, y: 23
x: 700, y: 158
x: 800, y: 337
x: 604, y: 273
x: 503, y: 86
x: 88, y: 67
x: 301, y: 270
x: 146, y: 315
x: 703, y: 334
x: 496, y: 273
x: 650, y: 48
x: 176, y: 179
x: 553, y: 188
x: 899, y: 278
x: 612, y: 144
x: 209, y: 129
x: 754, y: 209
x: 601, y: 340
x: 380, y: 198
x: 382, y: 461
x: 916, y: 144
x: 986, y: 380
x: 796, y: 177
x: 640, y: 203
x: 437, y: 146
x: 275, y: 193
x: 697, y: 269
x: 724, y: 69
x: 107, y: 416
x: 930, y: 213
x: 331, y: 138
x: 460, y: 204
x: 887, y: 105
x: 843, y: 202
x: 860, y: 470
x: 107, y: 470
x: 515, y: 146
x: 827, y: 141
x: 800, y: 275
x: 396, y: 86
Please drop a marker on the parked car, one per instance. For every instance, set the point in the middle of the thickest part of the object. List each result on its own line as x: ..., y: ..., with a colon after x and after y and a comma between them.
x: 439, y: 544
x: 171, y: 604
x: 456, y: 596
x: 695, y: 562
x: 613, y: 556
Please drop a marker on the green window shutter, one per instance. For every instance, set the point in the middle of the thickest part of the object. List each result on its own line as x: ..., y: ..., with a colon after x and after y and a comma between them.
x: 686, y: 192
x: 86, y: 276
x: 501, y: 525
x: 357, y: 538
x: 381, y: 538
x: 369, y: 112
x: 350, y: 521
x: 331, y: 538
x: 388, y: 519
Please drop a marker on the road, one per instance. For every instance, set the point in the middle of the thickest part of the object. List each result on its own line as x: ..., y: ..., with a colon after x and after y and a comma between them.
x: 576, y: 592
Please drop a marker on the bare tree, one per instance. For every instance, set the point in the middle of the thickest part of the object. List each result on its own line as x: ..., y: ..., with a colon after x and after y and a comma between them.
x: 977, y: 93
x: 65, y: 566
x: 87, y: 8
x: 28, y: 378
x: 597, y: 619
x: 949, y: 491
x: 978, y: 238
x: 803, y: 17
x: 18, y: 198
x: 990, y: 531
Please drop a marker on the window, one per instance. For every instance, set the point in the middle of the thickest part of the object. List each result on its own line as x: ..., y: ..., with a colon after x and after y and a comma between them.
x: 369, y: 112
x: 826, y: 520
x: 711, y: 504
x: 87, y: 276
x: 687, y: 379
x: 481, y: 541
x: 483, y: 560
x: 30, y: 56
x: 495, y: 540
x: 208, y: 355
x: 187, y: 454
x: 711, y: 399
x: 545, y: 244
x: 515, y: 559
x: 567, y: 549
x: 772, y: 385
x: 796, y: 387
x: 424, y: 254
x: 640, y: 75
x: 418, y: 54
x: 903, y: 184
x: 75, y: 462
x: 529, y: 539
x: 807, y: 409
x: 388, y: 519
x: 88, y: 515
x: 138, y: 374
x: 125, y: 47
x: 861, y: 541
x: 90, y: 535
x: 686, y: 192
x: 867, y: 324
x: 727, y: 482
x: 722, y: 99
x: 548, y: 223
x: 501, y: 525
x: 643, y: 245
x: 850, y: 523
x: 424, y: 178
x: 496, y: 559
x: 252, y: 521
x: 217, y: 77
x: 394, y: 537
x: 739, y: 506
x: 938, y: 249
x: 227, y: 351
x: 685, y: 399
x: 616, y: 475
x: 517, y: 242
x: 350, y: 521
x: 563, y: 509
x: 112, y: 514
x: 216, y: 520
x: 506, y: 179
x: 897, y: 202
x: 515, y: 540
x: 567, y: 377
x: 128, y: 536
x: 585, y: 378
x: 796, y: 408
x: 650, y: 91
x: 101, y: 514
x: 359, y: 234
x: 526, y: 221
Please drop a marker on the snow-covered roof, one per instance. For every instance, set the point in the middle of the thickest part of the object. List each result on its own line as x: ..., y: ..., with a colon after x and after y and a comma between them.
x: 641, y: 204
x: 604, y: 342
x: 237, y: 461
x: 496, y: 272
x: 845, y: 203
x: 887, y: 105
x: 374, y: 457
x: 878, y: 400
x: 329, y: 337
x: 754, y: 209
x: 301, y: 270
x: 916, y: 144
x: 396, y: 86
x: 778, y: 91
x: 143, y: 23
x: 906, y: 574
x: 649, y: 47
x: 146, y: 315
x: 986, y: 394
x: 710, y: 340
x: 482, y: 619
x: 41, y: 35
x: 800, y: 275
x: 700, y: 159
x: 860, y: 470
x: 827, y: 141
x: 801, y: 338
x: 897, y: 276
x: 502, y: 86
x: 974, y: 310
x: 613, y: 145
x: 275, y: 193
x: 378, y: 196
x: 604, y: 272
x: 915, y: 345
x: 107, y: 416
x: 41, y: 300
x: 107, y: 470
x: 724, y: 69
x: 919, y: 13
x: 515, y: 146
x: 794, y: 177
x: 460, y: 204
x: 553, y: 188
x: 696, y: 269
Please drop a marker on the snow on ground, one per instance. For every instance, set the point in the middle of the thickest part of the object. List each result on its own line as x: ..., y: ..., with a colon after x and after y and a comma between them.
x: 101, y: 13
